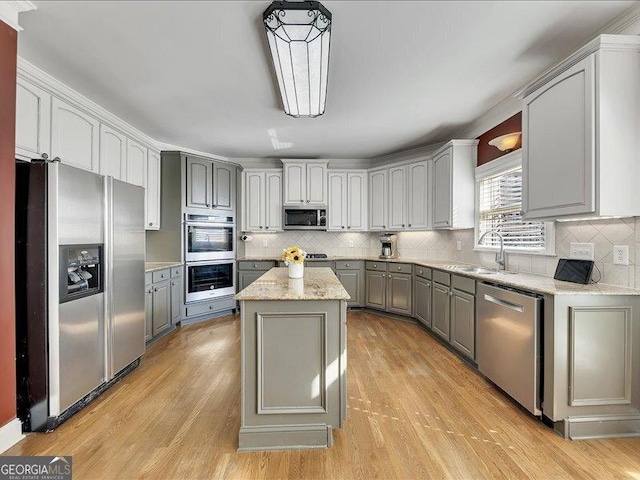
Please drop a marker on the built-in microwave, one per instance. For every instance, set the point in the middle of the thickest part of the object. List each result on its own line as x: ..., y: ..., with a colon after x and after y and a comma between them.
x: 300, y: 218
x: 208, y: 238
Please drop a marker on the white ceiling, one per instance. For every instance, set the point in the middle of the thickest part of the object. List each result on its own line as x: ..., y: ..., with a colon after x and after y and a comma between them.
x: 402, y: 74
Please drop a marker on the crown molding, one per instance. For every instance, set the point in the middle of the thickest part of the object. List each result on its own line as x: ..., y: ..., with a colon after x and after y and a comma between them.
x: 9, y: 11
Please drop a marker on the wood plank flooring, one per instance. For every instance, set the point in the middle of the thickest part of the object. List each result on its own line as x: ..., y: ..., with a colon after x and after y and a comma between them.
x: 415, y: 412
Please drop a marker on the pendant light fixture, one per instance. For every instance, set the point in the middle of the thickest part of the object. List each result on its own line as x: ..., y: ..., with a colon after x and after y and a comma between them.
x: 299, y: 34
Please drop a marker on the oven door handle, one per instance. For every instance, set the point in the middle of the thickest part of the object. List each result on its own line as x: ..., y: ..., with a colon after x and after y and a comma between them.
x: 211, y: 262
x: 213, y: 225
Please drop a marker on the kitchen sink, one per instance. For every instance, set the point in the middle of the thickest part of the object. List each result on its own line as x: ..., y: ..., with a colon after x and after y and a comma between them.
x: 478, y: 270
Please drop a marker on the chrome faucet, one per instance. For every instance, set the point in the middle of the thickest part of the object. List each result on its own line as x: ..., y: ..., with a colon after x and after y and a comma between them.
x: 500, y: 259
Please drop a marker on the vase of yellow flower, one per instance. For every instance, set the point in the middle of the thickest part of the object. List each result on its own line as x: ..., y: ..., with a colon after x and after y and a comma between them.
x: 294, y: 259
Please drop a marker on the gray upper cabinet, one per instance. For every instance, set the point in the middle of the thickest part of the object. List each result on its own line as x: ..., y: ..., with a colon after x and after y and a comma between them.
x: 211, y: 186
x: 33, y: 121
x: 199, y: 179
x: 454, y: 185
x: 575, y: 118
x: 305, y: 183
x: 224, y: 180
x: 378, y: 200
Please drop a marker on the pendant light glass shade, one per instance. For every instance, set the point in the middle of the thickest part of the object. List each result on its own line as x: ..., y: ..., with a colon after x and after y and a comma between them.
x: 298, y: 35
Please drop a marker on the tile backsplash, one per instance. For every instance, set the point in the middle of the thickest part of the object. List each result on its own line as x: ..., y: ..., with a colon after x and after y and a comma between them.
x: 441, y: 245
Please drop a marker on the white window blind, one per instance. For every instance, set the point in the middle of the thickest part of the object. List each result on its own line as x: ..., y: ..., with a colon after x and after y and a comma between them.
x: 500, y: 209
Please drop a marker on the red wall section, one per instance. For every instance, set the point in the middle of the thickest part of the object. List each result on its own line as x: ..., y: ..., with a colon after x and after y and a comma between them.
x: 8, y: 57
x: 487, y: 152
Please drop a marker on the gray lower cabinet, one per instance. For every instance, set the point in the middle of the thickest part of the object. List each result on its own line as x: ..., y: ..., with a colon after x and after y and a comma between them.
x: 250, y: 271
x: 161, y: 307
x: 376, y: 285
x: 422, y: 300
x: 162, y: 296
x: 148, y: 315
x: 441, y: 307
x: 176, y: 300
x: 351, y: 276
x: 399, y: 290
x: 463, y: 323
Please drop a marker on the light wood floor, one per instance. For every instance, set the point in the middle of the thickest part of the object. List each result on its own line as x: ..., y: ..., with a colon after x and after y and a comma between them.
x: 415, y: 411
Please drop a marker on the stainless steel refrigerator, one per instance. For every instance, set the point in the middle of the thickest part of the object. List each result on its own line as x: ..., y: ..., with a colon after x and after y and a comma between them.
x: 79, y: 288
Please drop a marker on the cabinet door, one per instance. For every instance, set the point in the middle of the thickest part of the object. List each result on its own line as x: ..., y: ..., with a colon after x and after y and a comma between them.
x: 442, y: 190
x: 75, y: 136
x: 400, y: 287
x: 33, y: 121
x: 376, y: 290
x: 247, y: 278
x: 148, y: 313
x: 558, y: 122
x: 295, y: 183
x: 316, y: 183
x: 254, y: 201
x: 337, y: 211
x: 113, y: 153
x: 351, y: 281
x: 356, y: 201
x: 199, y: 178
x: 161, y: 307
x: 463, y: 323
x: 422, y: 300
x: 378, y: 200
x: 176, y: 300
x: 136, y: 163
x: 397, y: 198
x: 273, y: 203
x: 440, y: 310
x: 418, y: 202
x: 152, y: 191
x: 224, y: 187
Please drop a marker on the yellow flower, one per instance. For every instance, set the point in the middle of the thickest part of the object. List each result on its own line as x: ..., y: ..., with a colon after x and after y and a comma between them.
x: 293, y: 255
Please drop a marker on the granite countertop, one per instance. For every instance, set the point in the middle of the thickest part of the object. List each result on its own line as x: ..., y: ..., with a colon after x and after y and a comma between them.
x: 153, y: 266
x: 525, y: 281
x: 317, y: 284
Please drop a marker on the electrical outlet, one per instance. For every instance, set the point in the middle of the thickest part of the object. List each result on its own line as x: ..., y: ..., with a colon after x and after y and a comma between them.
x: 458, y: 245
x: 265, y: 243
x: 581, y: 251
x: 620, y: 255
x: 350, y: 243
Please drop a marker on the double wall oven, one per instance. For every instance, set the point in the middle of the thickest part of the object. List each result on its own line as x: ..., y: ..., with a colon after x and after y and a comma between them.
x: 209, y: 244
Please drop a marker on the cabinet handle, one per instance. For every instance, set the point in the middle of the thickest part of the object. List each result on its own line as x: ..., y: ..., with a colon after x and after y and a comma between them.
x: 151, y: 224
x: 150, y: 291
x: 307, y: 201
x: 451, y: 294
x: 260, y: 226
x: 44, y: 156
x: 399, y: 268
x: 383, y: 275
x: 215, y: 206
x: 266, y: 228
x: 207, y: 205
x: 255, y: 265
x: 162, y: 275
x: 343, y: 227
x: 347, y: 265
x: 210, y: 307
x: 384, y: 226
x: 375, y: 265
x: 155, y: 289
x: 173, y: 283
x: 348, y: 228
x: 420, y: 272
x: 409, y: 225
x: 403, y: 225
x: 301, y: 201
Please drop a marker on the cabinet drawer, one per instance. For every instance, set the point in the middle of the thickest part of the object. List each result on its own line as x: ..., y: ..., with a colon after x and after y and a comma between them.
x: 348, y: 265
x: 463, y: 283
x: 312, y: 264
x: 441, y: 277
x: 378, y: 266
x: 148, y: 278
x: 176, y: 272
x: 400, y: 267
x: 423, y: 272
x: 257, y: 265
x: 218, y: 305
x: 160, y: 275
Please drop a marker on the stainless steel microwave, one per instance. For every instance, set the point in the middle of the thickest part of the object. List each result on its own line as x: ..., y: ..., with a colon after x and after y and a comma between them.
x: 301, y: 218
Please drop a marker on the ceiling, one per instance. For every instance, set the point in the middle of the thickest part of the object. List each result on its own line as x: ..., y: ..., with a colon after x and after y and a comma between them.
x: 402, y: 74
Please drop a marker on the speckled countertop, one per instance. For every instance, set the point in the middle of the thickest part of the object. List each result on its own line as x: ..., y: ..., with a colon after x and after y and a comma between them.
x: 524, y: 281
x: 153, y: 266
x: 317, y: 284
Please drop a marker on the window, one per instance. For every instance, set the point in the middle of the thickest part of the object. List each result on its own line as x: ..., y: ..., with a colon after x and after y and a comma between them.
x: 499, y: 209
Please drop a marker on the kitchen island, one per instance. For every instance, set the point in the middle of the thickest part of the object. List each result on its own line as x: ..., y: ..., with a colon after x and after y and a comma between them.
x: 294, y: 360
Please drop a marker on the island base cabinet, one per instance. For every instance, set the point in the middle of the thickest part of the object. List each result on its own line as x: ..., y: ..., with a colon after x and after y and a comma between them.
x: 441, y: 308
x: 293, y: 373
x: 463, y: 323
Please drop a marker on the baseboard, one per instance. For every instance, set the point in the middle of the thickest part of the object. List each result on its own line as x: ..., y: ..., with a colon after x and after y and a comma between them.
x: 603, y: 426
x: 10, y: 434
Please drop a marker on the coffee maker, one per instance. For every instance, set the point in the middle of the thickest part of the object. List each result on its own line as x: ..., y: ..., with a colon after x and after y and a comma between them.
x: 388, y: 241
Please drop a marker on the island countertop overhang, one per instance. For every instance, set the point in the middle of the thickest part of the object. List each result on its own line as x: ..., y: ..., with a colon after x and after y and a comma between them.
x: 317, y: 284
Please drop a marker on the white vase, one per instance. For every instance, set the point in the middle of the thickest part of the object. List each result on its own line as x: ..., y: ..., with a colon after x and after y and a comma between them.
x: 296, y: 270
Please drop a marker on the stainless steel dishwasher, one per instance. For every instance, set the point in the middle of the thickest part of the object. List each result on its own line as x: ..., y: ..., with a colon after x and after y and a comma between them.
x: 508, y: 342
